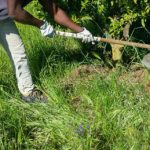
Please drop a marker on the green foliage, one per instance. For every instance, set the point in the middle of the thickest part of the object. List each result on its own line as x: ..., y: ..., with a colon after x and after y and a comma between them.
x: 112, y: 15
x: 128, y: 12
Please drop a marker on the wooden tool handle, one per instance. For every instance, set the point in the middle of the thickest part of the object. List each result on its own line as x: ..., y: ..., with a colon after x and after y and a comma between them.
x: 106, y: 40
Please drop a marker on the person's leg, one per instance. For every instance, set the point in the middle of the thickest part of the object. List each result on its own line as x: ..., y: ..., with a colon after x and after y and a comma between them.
x: 11, y: 41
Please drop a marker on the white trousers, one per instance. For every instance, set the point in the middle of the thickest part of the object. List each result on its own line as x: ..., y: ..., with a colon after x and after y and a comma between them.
x: 12, y: 43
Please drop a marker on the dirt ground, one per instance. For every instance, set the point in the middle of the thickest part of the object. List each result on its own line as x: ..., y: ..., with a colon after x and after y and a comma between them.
x: 84, y: 73
x: 134, y: 75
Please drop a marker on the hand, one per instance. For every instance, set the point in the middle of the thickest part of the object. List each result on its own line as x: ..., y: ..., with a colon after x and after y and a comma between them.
x: 47, y: 30
x: 87, y: 37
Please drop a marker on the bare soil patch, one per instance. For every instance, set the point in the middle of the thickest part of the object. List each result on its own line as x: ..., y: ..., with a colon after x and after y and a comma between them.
x: 85, y: 73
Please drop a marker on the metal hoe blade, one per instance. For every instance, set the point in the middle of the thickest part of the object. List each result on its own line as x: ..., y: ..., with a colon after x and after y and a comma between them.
x: 146, y: 61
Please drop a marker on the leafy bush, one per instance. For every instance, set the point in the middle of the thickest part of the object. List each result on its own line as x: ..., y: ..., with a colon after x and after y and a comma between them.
x: 106, y: 18
x: 103, y: 13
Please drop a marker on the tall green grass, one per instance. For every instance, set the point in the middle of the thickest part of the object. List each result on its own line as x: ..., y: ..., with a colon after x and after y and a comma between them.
x: 100, y: 113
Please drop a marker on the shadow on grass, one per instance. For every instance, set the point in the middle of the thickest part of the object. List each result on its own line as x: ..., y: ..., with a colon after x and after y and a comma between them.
x: 51, y: 57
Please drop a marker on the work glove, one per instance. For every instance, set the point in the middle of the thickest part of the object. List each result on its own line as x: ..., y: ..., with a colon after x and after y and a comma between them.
x: 86, y: 36
x: 47, y: 30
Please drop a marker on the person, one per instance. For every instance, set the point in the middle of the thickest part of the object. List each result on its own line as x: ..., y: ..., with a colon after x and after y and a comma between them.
x: 13, y: 10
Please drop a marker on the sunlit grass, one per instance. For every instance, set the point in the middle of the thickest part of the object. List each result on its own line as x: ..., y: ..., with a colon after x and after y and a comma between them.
x: 98, y: 113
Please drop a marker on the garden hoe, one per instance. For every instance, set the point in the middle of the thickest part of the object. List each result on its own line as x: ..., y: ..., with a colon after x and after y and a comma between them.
x: 145, y: 61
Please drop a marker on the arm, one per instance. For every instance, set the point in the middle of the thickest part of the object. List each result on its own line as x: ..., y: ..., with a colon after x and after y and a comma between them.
x: 16, y: 12
x: 61, y: 18
x: 59, y: 15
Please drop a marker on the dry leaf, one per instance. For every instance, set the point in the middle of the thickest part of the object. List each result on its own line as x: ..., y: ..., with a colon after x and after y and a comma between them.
x: 116, y: 51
